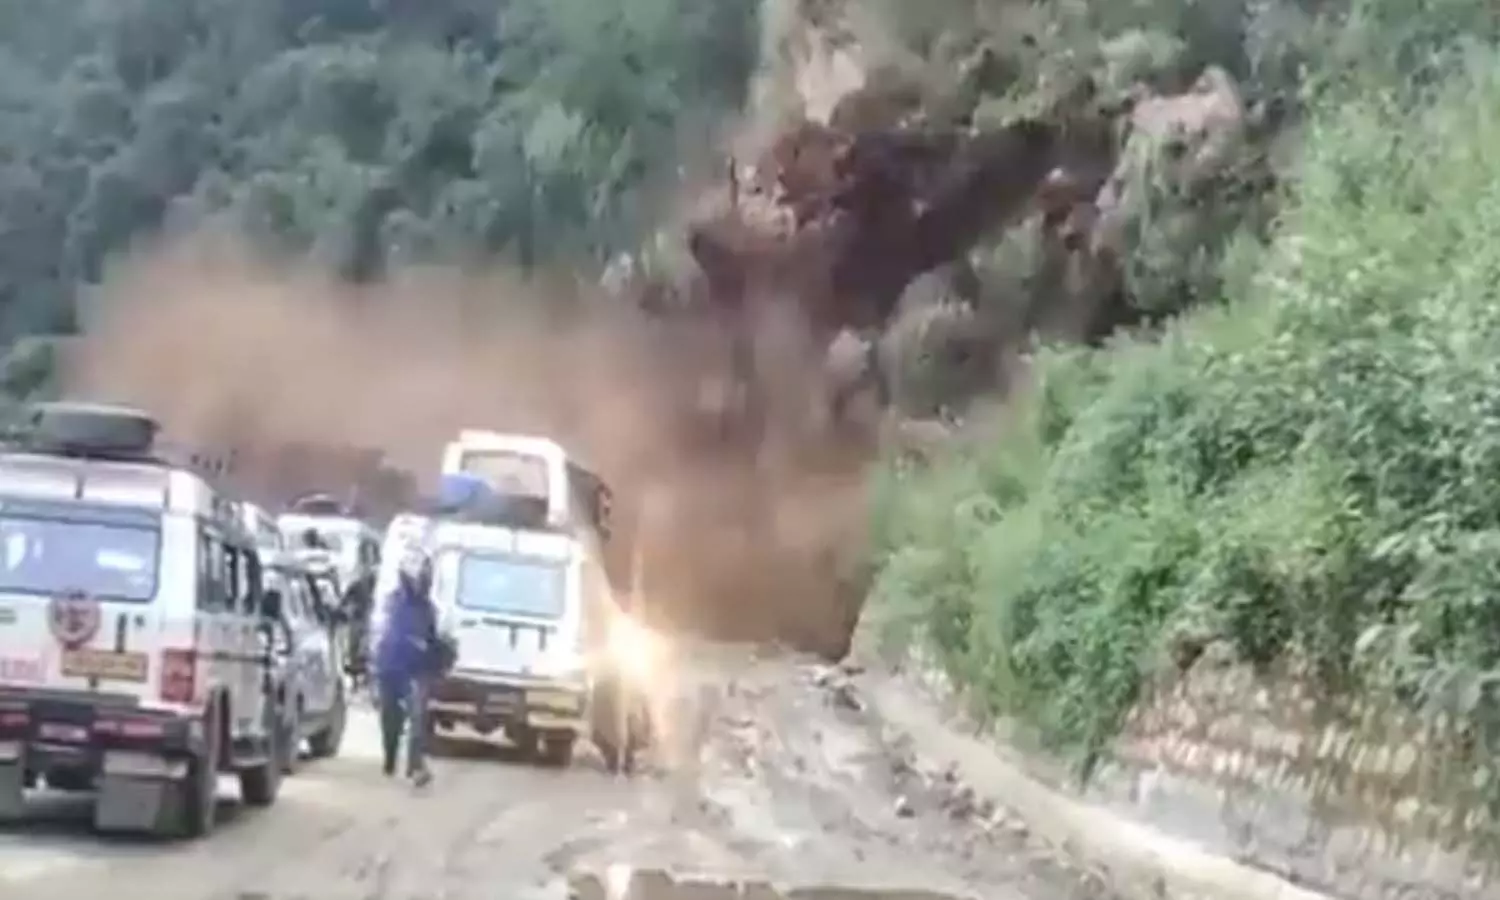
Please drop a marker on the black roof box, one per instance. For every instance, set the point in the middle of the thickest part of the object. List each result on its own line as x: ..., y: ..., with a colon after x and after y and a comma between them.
x: 91, y: 430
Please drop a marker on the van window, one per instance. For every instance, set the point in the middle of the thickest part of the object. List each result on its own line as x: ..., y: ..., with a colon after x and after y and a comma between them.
x: 237, y: 580
x: 107, y: 560
x: 508, y: 472
x: 508, y: 584
x: 213, y: 594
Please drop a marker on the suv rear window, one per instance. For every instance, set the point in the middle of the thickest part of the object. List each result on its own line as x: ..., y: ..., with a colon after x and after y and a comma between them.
x: 52, y: 555
x: 507, y: 584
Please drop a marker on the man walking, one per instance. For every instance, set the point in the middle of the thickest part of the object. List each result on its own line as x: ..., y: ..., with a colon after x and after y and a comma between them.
x: 408, y: 655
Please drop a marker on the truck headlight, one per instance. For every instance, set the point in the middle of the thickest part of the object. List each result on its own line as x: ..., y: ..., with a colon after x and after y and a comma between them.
x: 634, y: 649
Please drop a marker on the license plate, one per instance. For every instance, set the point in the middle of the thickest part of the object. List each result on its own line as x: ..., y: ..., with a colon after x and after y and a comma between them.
x: 504, y: 700
x: 105, y: 665
x: 74, y: 734
x: 559, y: 700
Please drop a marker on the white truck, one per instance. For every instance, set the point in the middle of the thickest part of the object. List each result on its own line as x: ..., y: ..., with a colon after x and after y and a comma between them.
x: 521, y: 583
x: 132, y: 658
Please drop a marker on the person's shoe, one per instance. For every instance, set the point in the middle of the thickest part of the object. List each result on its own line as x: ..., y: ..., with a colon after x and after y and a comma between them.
x: 421, y: 778
x: 389, y: 768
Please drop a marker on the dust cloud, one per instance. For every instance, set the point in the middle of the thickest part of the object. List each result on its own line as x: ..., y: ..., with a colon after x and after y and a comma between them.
x: 231, y: 353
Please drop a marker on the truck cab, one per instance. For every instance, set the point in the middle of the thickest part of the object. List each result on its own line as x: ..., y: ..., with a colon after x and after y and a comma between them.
x: 131, y: 649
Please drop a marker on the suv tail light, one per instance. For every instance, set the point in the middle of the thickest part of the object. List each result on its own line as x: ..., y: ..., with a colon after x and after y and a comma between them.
x: 179, y: 672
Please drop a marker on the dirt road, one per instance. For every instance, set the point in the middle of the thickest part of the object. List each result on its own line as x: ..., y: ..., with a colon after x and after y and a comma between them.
x: 791, y: 780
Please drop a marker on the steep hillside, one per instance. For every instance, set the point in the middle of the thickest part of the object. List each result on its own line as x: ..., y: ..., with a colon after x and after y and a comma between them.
x: 1294, y: 482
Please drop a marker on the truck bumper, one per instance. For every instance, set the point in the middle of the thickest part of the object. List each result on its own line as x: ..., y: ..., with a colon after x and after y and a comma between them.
x: 487, y: 702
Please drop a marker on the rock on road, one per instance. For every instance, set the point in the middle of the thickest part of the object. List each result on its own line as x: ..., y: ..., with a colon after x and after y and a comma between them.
x: 778, y: 774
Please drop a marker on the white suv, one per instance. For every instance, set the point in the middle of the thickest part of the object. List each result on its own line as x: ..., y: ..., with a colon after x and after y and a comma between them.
x: 131, y: 658
x: 309, y: 651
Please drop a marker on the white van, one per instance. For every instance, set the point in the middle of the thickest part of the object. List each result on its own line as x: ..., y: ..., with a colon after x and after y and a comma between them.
x: 518, y: 604
x: 131, y: 650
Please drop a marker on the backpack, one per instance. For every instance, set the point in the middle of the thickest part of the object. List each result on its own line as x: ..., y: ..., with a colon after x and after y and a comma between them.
x: 443, y: 655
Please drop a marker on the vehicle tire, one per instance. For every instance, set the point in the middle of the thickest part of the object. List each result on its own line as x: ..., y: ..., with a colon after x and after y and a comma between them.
x: 260, y: 785
x: 325, y: 744
x: 619, y: 759
x: 200, y: 790
x: 292, y: 724
x: 609, y: 725
x: 555, y: 751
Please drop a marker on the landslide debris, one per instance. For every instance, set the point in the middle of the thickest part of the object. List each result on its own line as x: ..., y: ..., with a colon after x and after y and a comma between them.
x: 878, y: 263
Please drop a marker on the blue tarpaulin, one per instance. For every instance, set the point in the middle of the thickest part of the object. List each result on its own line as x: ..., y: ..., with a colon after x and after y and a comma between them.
x: 461, y: 491
x: 471, y: 497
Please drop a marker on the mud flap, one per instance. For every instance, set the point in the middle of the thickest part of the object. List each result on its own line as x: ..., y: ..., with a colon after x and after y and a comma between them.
x: 131, y: 803
x: 12, y: 790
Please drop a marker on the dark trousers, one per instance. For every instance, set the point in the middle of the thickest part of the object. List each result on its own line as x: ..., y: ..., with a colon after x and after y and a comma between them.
x: 403, y: 707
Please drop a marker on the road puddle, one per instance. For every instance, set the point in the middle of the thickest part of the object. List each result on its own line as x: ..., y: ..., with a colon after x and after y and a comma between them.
x: 626, y: 883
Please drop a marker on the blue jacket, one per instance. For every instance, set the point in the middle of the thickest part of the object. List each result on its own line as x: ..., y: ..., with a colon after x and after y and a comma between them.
x: 408, y: 640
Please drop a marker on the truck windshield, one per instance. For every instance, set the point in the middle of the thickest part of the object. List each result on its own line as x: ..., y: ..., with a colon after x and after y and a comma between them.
x: 512, y: 585
x: 52, y: 555
x: 516, y: 474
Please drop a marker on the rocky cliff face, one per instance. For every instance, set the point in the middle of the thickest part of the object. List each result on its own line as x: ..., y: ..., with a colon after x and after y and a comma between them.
x: 851, y: 207
x: 836, y: 281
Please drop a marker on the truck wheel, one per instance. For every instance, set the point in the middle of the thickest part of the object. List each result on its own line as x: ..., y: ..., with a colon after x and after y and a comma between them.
x: 260, y: 784
x: 292, y: 726
x: 325, y: 744
x: 557, y: 751
x: 200, y: 789
x: 619, y: 758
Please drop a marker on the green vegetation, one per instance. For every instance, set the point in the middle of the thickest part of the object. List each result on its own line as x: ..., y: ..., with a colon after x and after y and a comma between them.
x: 1302, y: 474
x: 369, y: 133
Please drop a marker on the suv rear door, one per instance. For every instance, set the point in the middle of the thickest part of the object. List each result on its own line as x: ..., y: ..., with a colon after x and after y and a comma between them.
x: 78, y: 590
x: 494, y: 602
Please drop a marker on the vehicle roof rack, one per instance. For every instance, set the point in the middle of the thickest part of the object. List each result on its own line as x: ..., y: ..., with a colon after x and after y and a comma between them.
x: 108, y: 433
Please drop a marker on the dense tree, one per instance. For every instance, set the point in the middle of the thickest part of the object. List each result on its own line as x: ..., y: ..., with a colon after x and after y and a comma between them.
x: 369, y: 133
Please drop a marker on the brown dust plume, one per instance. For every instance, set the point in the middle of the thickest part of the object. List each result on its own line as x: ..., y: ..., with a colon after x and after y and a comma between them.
x: 233, y: 354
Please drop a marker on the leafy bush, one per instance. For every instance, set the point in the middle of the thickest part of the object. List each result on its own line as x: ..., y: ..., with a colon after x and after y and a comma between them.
x: 1310, y: 473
